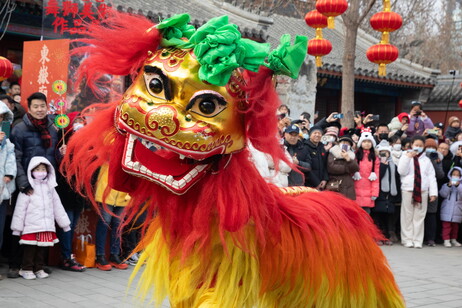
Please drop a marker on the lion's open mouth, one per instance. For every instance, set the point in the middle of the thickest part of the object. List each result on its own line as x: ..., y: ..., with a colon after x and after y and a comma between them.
x: 168, y: 168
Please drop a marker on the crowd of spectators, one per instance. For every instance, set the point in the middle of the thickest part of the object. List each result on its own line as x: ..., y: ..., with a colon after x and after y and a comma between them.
x: 34, y: 194
x: 405, y: 173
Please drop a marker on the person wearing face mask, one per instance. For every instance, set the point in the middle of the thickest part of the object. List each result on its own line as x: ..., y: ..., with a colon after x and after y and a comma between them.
x: 451, y: 208
x: 382, y: 133
x: 389, y: 195
x: 298, y: 152
x: 341, y: 165
x: 37, y: 231
x: 330, y: 137
x: 396, y: 151
x: 366, y: 179
x: 317, y: 176
x: 431, y: 217
x: 74, y: 204
x: 418, y: 182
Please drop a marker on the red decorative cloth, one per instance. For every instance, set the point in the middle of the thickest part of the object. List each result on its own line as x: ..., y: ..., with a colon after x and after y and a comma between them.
x: 417, y: 191
x: 47, y: 238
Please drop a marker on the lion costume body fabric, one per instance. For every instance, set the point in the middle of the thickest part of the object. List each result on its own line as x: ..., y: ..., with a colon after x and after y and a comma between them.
x: 216, y: 234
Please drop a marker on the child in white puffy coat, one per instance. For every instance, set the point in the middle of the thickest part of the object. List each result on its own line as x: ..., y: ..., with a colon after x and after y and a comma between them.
x: 35, y: 215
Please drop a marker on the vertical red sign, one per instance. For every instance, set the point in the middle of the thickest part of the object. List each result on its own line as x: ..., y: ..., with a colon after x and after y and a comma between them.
x: 44, y: 63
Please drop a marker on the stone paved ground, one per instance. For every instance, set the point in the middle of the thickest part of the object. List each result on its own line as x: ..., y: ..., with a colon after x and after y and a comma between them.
x: 429, y: 277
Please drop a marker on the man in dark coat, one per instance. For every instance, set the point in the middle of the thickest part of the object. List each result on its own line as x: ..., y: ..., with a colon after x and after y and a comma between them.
x: 299, y: 153
x: 317, y: 160
x: 36, y: 135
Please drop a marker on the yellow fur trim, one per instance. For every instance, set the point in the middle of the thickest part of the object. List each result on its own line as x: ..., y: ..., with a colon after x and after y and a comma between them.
x: 228, y: 279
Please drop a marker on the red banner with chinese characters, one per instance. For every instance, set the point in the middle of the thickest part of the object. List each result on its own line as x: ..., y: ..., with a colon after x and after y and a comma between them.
x: 67, y: 17
x: 44, y: 63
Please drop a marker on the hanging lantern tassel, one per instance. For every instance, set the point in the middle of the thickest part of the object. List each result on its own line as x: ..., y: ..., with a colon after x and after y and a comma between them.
x: 319, y: 33
x: 331, y: 22
x: 318, y: 61
x: 382, y: 69
x: 385, y: 38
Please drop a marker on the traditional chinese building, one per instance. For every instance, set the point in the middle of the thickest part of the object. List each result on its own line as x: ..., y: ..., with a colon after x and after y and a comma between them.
x: 445, y: 97
x: 318, y: 89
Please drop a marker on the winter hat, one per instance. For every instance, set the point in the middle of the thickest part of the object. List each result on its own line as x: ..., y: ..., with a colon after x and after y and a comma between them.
x: 346, y: 138
x: 453, y: 119
x: 403, y: 115
x: 332, y: 131
x: 416, y: 103
x: 383, y: 146
x: 335, y: 123
x: 343, y: 131
x: 315, y: 128
x: 292, y: 129
x: 431, y: 143
x: 366, y: 135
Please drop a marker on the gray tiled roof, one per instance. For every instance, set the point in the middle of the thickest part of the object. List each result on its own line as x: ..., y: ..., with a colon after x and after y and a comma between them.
x: 446, y: 94
x: 271, y: 29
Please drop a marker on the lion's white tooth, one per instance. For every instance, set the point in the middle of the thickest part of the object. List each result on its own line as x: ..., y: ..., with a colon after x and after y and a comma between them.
x: 182, y: 156
x: 169, y: 179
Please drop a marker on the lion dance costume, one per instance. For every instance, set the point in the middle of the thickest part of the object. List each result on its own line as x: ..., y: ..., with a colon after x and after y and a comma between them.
x: 216, y: 234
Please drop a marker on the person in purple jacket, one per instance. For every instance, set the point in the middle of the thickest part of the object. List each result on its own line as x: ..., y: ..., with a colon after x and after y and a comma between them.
x: 418, y: 121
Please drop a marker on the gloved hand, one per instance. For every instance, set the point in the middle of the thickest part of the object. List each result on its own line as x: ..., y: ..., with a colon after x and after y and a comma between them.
x: 372, y: 176
x: 356, y: 176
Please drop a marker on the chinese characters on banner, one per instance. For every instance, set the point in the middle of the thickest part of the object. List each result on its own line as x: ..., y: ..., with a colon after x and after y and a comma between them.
x: 68, y: 17
x: 44, y: 62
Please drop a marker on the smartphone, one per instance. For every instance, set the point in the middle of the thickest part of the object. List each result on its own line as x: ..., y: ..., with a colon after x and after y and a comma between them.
x: 432, y: 132
x: 338, y: 116
x: 375, y: 117
x: 345, y: 147
x: 6, y: 128
x: 357, y: 113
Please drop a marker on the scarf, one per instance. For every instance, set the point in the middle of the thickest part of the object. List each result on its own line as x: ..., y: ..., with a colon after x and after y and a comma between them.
x: 42, y: 127
x: 388, y: 183
x: 451, y: 132
x: 417, y: 191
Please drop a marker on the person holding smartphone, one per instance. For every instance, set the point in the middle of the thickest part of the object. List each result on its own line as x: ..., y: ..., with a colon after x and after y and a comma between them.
x: 418, y: 121
x: 341, y: 165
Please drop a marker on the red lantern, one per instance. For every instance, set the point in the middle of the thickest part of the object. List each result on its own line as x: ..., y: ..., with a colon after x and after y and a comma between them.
x: 331, y: 9
x: 316, y: 20
x: 386, y: 22
x: 460, y: 103
x: 382, y: 54
x: 319, y: 47
x: 6, y: 68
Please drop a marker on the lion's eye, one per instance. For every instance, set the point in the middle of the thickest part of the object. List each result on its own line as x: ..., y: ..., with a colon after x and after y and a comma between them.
x: 155, y: 85
x: 208, y: 107
x: 207, y: 104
